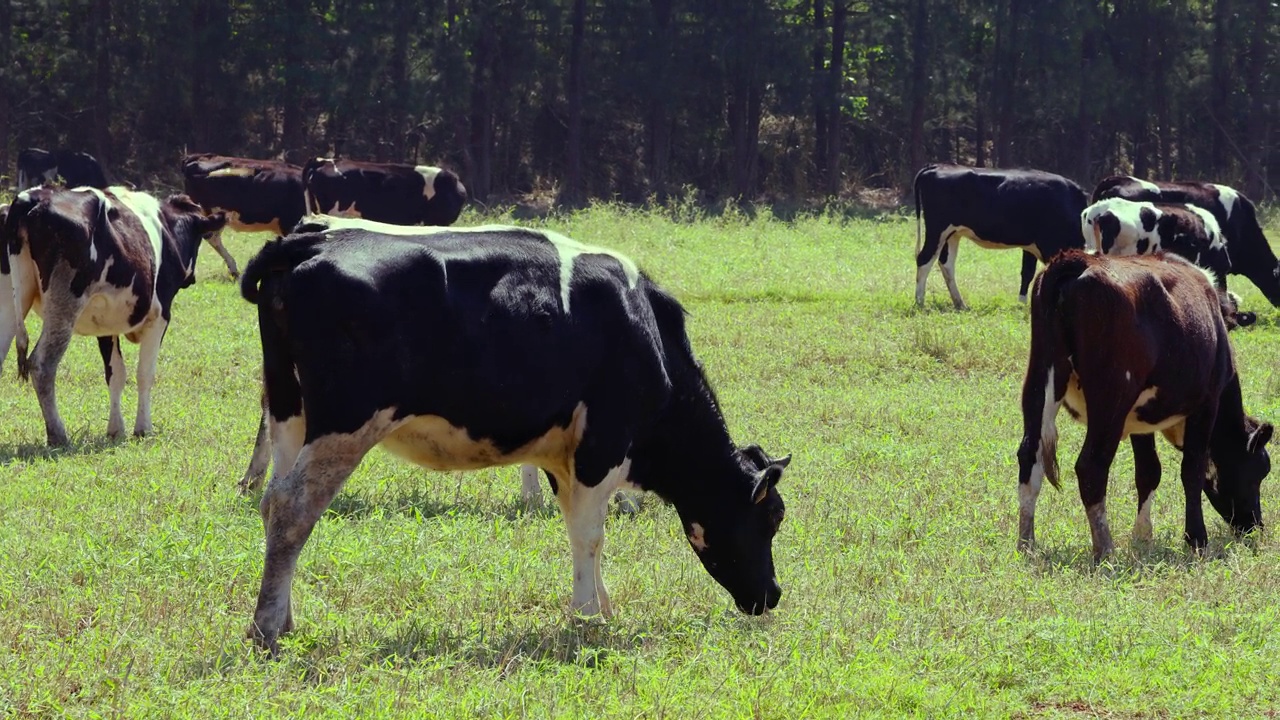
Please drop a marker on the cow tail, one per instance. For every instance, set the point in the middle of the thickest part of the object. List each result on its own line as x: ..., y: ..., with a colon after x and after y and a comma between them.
x: 915, y: 185
x: 277, y: 257
x: 1048, y: 363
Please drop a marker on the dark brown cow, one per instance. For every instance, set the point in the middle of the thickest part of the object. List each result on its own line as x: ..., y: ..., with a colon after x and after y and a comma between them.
x: 255, y: 195
x: 383, y: 192
x: 1133, y: 346
x: 1251, y: 255
x: 95, y: 262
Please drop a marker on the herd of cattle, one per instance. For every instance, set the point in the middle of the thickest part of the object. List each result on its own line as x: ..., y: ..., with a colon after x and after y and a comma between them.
x: 465, y: 348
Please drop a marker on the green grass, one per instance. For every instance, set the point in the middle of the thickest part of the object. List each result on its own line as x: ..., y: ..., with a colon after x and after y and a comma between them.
x: 128, y: 572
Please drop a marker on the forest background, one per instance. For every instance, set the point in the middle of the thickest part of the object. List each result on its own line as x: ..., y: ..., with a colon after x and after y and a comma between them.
x: 641, y: 100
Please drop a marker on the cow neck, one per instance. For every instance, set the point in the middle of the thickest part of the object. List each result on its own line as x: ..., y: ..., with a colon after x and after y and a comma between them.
x: 1229, y: 431
x: 186, y: 240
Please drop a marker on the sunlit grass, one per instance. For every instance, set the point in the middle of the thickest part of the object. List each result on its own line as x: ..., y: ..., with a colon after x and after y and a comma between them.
x: 128, y: 571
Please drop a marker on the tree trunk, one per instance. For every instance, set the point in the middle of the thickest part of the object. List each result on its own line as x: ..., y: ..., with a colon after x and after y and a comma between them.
x: 293, y: 128
x: 400, y: 119
x: 658, y: 118
x: 480, y: 141
x: 919, y: 86
x: 981, y: 97
x: 820, y: 100
x: 1256, y: 146
x: 573, y: 193
x: 1219, y: 90
x: 835, y: 89
x: 6, y: 87
x: 102, y: 82
x: 1005, y: 79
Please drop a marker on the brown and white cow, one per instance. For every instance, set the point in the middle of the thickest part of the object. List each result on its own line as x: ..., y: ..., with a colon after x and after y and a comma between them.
x: 95, y: 262
x: 1132, y: 346
x: 255, y: 195
x: 1251, y: 255
x: 383, y: 192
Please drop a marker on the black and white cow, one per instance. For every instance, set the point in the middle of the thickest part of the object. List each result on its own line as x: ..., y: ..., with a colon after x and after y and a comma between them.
x: 384, y: 192
x: 255, y: 195
x: 77, y: 169
x: 1122, y: 227
x: 464, y: 349
x: 1251, y: 254
x: 95, y: 262
x: 1132, y: 346
x: 1031, y: 210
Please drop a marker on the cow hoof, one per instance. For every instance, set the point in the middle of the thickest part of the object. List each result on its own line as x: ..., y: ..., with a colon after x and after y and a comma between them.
x: 248, y: 484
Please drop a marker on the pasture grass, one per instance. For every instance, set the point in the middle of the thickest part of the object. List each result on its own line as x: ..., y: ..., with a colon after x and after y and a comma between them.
x: 128, y: 572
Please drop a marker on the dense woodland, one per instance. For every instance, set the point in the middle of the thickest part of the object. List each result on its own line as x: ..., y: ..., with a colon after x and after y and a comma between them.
x: 643, y: 99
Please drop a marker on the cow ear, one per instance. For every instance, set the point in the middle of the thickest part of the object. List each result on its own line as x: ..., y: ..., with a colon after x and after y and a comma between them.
x: 1260, y: 437
x: 782, y: 462
x: 766, y: 479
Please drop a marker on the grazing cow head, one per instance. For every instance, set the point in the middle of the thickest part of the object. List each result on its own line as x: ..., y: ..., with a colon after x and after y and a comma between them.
x: 1234, y: 488
x: 191, y: 224
x: 734, y: 541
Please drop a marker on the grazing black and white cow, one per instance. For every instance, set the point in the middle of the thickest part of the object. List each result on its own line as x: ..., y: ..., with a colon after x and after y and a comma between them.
x: 1132, y: 346
x: 77, y: 169
x: 95, y: 262
x: 1031, y: 210
x: 255, y: 195
x: 1251, y: 255
x: 464, y: 349
x: 384, y: 192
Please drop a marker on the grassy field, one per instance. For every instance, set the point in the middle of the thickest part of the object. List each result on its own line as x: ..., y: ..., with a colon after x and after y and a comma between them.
x: 128, y: 572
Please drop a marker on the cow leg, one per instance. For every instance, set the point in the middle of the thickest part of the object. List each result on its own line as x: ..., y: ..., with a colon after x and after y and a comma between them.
x: 948, y: 266
x: 215, y: 241
x: 925, y: 260
x: 1028, y: 274
x: 113, y: 365
x: 290, y: 507
x: 1147, y: 477
x: 1195, y: 465
x: 149, y: 339
x: 61, y: 309
x: 261, y: 458
x: 584, y: 509
x: 1101, y: 441
x: 530, y: 489
x: 18, y: 300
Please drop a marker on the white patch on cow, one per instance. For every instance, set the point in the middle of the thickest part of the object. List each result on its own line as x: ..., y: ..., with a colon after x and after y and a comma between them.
x: 584, y: 509
x: 1211, y: 227
x: 108, y: 308
x: 1129, y: 214
x: 147, y: 209
x: 1228, y: 197
x: 233, y: 172
x: 235, y: 223
x: 428, y: 174
x: 287, y: 437
x: 1142, y: 529
x: 567, y: 248
x: 1146, y: 185
x: 24, y: 196
x: 351, y: 211
x: 570, y: 249
x: 1074, y: 399
x: 1048, y: 417
x: 697, y: 537
x: 432, y: 441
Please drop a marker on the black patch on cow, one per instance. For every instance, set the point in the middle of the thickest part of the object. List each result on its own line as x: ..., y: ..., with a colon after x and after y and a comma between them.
x: 1148, y: 218
x: 106, y: 345
x: 1109, y: 229
x: 1142, y: 246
